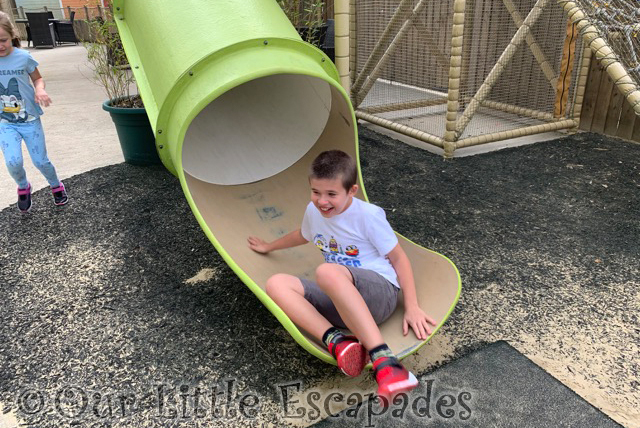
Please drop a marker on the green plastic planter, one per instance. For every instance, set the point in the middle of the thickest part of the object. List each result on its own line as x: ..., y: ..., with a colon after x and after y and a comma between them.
x: 135, y: 134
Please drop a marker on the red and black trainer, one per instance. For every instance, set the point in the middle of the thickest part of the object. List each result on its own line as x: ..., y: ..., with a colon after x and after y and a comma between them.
x: 392, y: 378
x: 349, y: 354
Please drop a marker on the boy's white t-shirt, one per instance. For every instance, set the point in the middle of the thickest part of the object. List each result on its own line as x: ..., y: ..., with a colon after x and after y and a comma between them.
x: 360, y: 236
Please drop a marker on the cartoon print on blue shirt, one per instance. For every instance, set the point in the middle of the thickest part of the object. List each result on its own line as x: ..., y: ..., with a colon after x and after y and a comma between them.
x: 333, y: 252
x: 13, y: 109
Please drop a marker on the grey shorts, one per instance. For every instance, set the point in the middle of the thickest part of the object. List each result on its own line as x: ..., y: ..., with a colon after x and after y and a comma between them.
x: 380, y: 295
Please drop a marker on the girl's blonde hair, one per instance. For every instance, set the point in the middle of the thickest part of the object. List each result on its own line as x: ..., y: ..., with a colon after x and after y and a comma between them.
x: 7, y: 25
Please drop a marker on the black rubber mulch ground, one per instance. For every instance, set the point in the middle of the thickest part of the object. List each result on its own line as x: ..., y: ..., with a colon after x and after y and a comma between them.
x: 95, y: 303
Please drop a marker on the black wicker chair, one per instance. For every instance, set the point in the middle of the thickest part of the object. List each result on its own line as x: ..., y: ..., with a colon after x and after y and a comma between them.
x: 329, y: 47
x: 42, y: 32
x: 65, y: 32
x: 28, y: 34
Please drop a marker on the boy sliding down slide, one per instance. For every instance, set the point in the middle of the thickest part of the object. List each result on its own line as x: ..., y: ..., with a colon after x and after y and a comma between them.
x: 357, y: 288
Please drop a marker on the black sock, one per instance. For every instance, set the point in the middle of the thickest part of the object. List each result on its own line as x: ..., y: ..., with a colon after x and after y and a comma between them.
x: 380, y: 351
x: 331, y: 335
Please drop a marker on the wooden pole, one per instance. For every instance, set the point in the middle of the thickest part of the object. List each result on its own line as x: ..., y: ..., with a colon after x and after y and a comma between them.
x: 371, y: 79
x: 533, y: 45
x: 353, y: 40
x: 455, y: 67
x: 514, y: 133
x: 603, y: 53
x: 402, y: 12
x: 566, y: 70
x: 500, y: 65
x: 403, y: 129
x: 341, y: 14
x: 406, y: 105
x: 582, y: 84
x: 520, y: 111
x: 471, y: 141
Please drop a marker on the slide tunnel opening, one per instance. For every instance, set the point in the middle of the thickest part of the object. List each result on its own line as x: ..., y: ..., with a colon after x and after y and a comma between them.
x: 256, y: 129
x: 274, y: 204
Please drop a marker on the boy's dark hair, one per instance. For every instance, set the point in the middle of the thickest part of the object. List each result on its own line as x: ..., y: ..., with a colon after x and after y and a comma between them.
x: 334, y: 164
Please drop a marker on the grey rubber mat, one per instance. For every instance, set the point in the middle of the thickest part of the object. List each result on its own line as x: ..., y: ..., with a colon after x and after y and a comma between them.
x: 495, y: 386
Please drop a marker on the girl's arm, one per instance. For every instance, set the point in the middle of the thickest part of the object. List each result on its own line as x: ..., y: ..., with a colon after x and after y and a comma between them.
x: 292, y: 239
x: 42, y: 97
x: 414, y: 316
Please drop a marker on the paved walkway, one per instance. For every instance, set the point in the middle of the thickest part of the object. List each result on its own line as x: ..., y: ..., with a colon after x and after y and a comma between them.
x: 80, y: 135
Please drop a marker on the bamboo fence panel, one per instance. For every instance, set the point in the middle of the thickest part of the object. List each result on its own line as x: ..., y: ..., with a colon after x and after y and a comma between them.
x: 627, y: 121
x: 604, y: 99
x: 605, y: 109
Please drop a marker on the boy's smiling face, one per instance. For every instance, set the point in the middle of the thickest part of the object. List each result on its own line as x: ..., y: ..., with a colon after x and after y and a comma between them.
x: 330, y: 196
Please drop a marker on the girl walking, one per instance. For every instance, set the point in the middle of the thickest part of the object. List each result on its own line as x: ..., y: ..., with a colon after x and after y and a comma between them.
x: 20, y: 116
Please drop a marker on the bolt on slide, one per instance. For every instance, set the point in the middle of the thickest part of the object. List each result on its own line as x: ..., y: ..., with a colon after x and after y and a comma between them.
x: 240, y: 106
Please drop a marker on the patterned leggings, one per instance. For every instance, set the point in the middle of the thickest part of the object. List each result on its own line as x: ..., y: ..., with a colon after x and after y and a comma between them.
x: 11, y: 136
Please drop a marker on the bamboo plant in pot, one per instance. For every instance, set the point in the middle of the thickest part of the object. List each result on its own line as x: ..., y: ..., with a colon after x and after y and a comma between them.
x: 112, y: 71
x: 308, y: 19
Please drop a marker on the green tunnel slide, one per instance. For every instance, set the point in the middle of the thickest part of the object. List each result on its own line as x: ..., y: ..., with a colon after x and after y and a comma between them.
x: 239, y: 106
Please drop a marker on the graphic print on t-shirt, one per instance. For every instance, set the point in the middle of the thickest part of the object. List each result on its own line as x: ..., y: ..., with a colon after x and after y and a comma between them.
x: 13, y: 106
x: 333, y: 251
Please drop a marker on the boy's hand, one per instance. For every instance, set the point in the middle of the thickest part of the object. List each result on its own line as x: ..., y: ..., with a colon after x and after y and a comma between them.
x: 419, y: 322
x: 42, y: 98
x: 258, y: 245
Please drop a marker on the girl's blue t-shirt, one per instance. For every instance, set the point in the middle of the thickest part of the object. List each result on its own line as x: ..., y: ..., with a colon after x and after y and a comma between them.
x: 17, y: 95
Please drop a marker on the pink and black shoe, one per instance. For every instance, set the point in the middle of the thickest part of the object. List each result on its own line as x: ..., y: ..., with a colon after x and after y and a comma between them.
x: 392, y: 378
x: 24, y: 199
x: 59, y: 194
x: 350, y: 355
